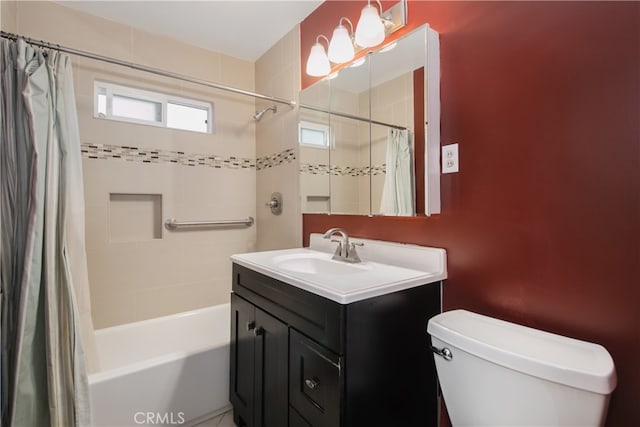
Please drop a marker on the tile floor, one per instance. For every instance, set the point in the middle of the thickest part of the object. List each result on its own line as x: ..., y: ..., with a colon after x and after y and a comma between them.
x: 222, y: 420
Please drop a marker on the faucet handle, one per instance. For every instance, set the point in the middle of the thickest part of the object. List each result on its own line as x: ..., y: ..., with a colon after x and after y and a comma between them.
x: 338, y: 253
x: 352, y: 254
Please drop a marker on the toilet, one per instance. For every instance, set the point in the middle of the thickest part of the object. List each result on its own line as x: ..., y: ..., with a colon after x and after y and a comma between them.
x: 496, y: 373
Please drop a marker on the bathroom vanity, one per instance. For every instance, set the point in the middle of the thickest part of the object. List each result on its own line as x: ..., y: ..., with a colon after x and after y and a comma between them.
x: 317, y: 342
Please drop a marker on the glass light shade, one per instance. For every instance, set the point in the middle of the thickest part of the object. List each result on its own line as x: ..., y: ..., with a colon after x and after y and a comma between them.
x: 341, y: 48
x: 318, y: 63
x: 370, y: 29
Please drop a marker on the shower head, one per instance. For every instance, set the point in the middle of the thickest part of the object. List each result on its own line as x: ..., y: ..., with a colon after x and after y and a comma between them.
x: 258, y: 115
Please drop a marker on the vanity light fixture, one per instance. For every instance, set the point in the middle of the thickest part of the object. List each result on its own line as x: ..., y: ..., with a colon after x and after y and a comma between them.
x: 371, y: 31
x: 341, y: 48
x: 318, y: 63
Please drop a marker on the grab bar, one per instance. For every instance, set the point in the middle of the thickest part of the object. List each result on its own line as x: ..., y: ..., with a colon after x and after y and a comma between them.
x: 172, y: 224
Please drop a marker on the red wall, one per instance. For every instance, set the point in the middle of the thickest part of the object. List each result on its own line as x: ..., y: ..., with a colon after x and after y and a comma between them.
x: 542, y: 223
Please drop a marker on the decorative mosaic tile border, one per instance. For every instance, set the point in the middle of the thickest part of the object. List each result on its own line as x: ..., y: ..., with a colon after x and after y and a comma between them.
x: 286, y: 156
x: 143, y: 155
x: 319, y: 169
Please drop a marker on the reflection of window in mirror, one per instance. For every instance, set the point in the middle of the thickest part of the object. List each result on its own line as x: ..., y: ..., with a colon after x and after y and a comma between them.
x: 315, y: 135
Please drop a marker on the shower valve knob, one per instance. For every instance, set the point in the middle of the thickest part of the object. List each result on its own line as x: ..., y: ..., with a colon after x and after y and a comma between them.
x: 275, y: 203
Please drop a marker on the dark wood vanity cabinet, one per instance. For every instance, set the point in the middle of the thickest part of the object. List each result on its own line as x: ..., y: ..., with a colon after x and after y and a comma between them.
x: 302, y: 360
x: 259, y: 354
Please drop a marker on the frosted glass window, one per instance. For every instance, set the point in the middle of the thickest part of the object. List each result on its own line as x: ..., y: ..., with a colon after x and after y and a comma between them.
x: 102, y: 102
x: 127, y: 104
x: 187, y: 117
x: 315, y: 135
x: 138, y: 109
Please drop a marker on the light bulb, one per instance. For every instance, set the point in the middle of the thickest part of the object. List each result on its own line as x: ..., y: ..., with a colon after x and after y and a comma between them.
x: 318, y: 63
x: 370, y: 29
x: 341, y: 48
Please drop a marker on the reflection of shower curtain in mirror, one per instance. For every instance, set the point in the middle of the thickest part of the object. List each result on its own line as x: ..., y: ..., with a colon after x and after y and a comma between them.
x: 397, y: 193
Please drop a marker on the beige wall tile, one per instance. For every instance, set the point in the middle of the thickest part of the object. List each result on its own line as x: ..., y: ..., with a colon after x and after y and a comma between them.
x: 284, y: 230
x: 8, y: 18
x: 171, y: 55
x: 180, y: 257
x: 277, y: 74
x: 111, y: 307
x: 237, y: 73
x: 155, y: 302
x: 54, y: 23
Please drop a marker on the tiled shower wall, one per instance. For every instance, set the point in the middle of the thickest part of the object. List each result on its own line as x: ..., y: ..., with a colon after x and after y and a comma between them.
x: 138, y: 176
x: 8, y: 15
x: 278, y: 74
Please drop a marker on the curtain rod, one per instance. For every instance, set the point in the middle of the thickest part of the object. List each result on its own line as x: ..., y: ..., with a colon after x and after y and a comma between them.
x: 144, y: 68
x: 351, y: 116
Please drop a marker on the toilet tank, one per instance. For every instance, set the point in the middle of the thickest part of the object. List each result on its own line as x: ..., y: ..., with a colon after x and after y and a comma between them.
x: 504, y: 374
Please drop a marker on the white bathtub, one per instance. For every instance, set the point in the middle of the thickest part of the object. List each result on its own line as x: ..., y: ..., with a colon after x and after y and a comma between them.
x: 173, y: 370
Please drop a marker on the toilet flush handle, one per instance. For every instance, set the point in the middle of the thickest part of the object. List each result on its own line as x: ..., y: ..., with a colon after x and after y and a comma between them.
x: 445, y: 353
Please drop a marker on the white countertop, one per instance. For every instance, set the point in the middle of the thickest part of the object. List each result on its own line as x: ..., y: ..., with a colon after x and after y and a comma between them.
x: 386, y: 267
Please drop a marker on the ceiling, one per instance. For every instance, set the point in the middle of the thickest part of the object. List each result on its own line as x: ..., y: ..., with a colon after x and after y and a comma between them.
x: 408, y: 54
x: 244, y: 29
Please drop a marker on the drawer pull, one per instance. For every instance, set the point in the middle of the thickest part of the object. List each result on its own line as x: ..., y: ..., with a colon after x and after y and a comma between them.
x: 258, y: 331
x: 251, y: 325
x: 312, y: 383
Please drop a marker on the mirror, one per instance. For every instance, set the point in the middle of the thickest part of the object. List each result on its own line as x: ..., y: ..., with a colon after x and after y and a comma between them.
x: 360, y: 132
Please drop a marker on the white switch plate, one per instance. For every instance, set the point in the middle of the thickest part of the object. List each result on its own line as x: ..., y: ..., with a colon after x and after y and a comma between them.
x: 450, y: 162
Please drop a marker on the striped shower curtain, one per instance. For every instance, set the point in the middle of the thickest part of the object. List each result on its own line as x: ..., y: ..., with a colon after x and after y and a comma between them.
x: 43, y: 270
x: 397, y: 191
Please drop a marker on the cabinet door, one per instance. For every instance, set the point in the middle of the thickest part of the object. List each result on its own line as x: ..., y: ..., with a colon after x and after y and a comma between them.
x: 296, y: 420
x: 272, y: 371
x: 314, y: 382
x: 242, y: 354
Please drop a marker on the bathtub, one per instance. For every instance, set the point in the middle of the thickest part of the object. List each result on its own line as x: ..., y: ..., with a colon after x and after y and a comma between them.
x: 173, y: 370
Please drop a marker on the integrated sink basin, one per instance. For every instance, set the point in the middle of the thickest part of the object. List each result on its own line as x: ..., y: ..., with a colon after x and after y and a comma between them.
x: 312, y: 262
x: 386, y: 267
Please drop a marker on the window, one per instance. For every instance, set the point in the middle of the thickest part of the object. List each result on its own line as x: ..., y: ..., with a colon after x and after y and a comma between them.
x: 315, y: 135
x: 127, y: 104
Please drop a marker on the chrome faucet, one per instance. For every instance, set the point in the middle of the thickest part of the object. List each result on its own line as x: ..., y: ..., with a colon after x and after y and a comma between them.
x: 345, y: 251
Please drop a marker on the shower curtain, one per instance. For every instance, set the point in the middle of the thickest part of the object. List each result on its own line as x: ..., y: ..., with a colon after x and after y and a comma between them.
x: 43, y: 269
x: 397, y: 192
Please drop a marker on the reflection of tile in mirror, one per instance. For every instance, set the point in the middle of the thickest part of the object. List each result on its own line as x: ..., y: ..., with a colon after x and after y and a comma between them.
x: 135, y: 217
x: 317, y: 204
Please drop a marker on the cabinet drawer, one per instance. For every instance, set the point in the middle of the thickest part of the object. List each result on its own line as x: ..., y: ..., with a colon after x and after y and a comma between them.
x: 314, y: 381
x: 316, y: 316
